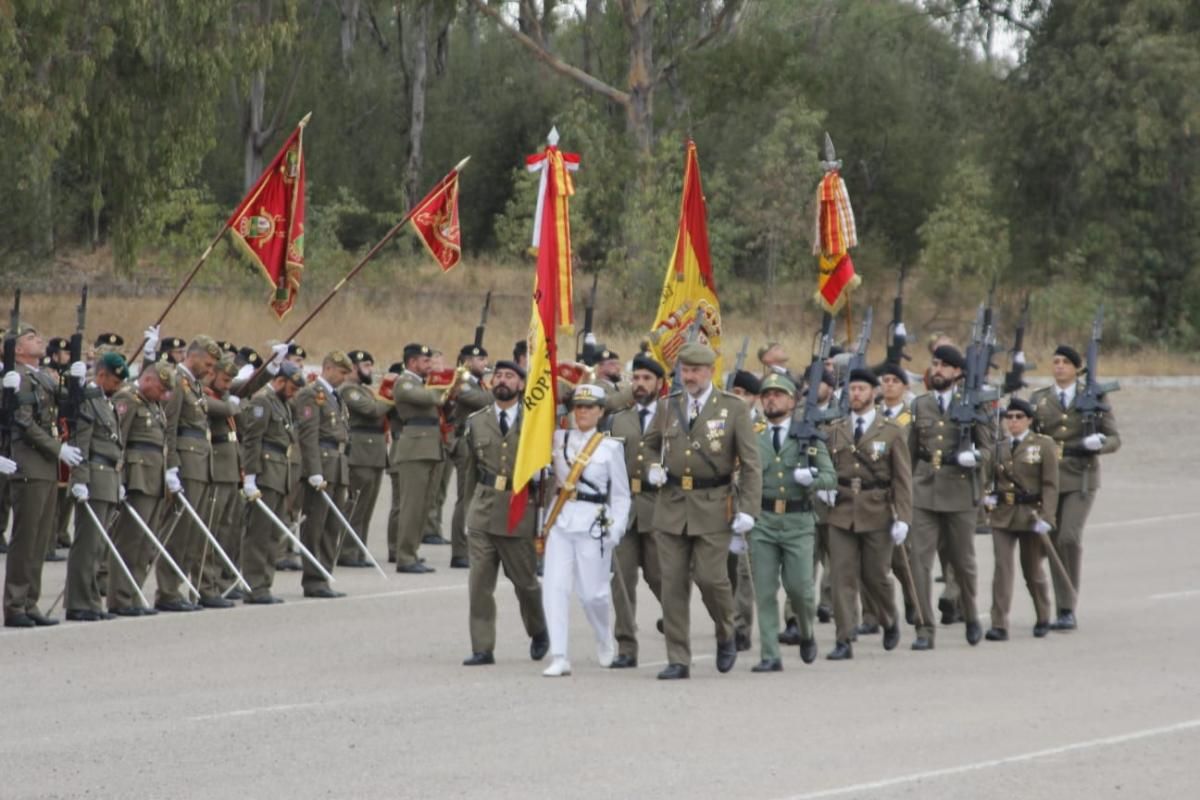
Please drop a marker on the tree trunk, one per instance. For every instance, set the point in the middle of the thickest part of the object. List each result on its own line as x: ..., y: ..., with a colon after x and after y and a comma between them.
x: 418, y: 70
x: 639, y: 20
x: 591, y: 17
x: 252, y: 162
x: 349, y: 12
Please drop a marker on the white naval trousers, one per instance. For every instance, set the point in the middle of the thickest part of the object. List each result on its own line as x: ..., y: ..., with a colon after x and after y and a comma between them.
x: 573, y: 558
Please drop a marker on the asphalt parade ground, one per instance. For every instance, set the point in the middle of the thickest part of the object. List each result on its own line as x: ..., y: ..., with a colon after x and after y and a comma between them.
x: 364, y: 697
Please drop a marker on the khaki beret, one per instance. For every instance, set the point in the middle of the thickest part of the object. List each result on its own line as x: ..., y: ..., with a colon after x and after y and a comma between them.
x: 228, y: 366
x: 695, y: 354
x: 207, y: 344
x: 337, y: 358
x: 165, y: 372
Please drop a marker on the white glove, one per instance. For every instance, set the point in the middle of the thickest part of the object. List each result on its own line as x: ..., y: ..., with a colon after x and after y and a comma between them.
x: 244, y: 373
x: 12, y: 380
x: 80, y: 492
x: 656, y: 475
x: 78, y: 371
x: 589, y: 339
x: 742, y: 523
x: 316, y: 481
x: 1094, y: 441
x: 737, y: 545
x: 804, y: 475
x: 827, y: 496
x: 1041, y: 527
x: 151, y: 335
x: 899, y: 531
x: 121, y: 493
x: 174, y: 485
x: 250, y: 487
x: 279, y: 352
x: 990, y: 501
x: 968, y: 459
x: 234, y: 401
x: 7, y: 466
x: 1019, y: 357
x: 900, y: 331
x: 69, y: 455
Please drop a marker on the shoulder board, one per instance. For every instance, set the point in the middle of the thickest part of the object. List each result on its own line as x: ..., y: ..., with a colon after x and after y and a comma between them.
x: 92, y: 392
x: 724, y: 393
x: 476, y: 413
x: 620, y: 440
x: 760, y: 426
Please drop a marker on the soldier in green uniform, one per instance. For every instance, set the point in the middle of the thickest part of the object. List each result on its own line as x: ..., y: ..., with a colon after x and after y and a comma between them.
x: 469, y: 397
x: 225, y: 505
x: 1078, y: 471
x: 491, y: 439
x: 415, y: 454
x: 37, y: 450
x: 946, y: 489
x: 637, y: 549
x: 323, y: 429
x: 781, y: 543
x: 873, y: 511
x: 706, y: 437
x: 268, y: 436
x: 1022, y: 505
x: 431, y: 530
x: 368, y: 456
x: 143, y: 430
x: 618, y: 396
x: 55, y: 363
x: 96, y: 481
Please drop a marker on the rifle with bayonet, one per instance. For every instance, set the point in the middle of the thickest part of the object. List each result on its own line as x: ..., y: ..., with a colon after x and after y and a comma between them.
x: 897, y: 334
x: 1091, y: 401
x: 585, y: 343
x: 69, y: 409
x: 805, y: 428
x: 968, y: 407
x: 738, y: 365
x: 483, y: 316
x: 1014, y: 378
x: 10, y: 363
x: 858, y: 360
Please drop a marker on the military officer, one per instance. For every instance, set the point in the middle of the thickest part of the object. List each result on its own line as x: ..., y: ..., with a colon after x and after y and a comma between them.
x: 225, y: 506
x: 1079, y: 470
x: 781, y: 543
x: 492, y: 434
x: 431, y: 529
x: 268, y: 435
x: 94, y: 480
x: 143, y: 430
x: 56, y: 363
x: 469, y: 397
x: 946, y: 489
x: 1022, y: 505
x: 415, y: 454
x: 873, y: 511
x: 706, y: 437
x: 637, y: 548
x: 617, y: 397
x: 368, y: 456
x: 37, y: 450
x: 323, y: 429
x: 748, y: 387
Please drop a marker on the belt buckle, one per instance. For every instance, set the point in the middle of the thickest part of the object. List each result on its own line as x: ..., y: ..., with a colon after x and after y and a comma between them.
x: 685, y: 483
x: 1010, y: 498
x: 856, y: 485
x: 232, y: 436
x: 635, y: 485
x: 500, y: 483
x: 781, y: 506
x: 1060, y: 450
x: 937, y: 459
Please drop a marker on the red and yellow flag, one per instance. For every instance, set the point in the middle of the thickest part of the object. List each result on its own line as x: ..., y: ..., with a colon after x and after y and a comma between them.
x: 540, y: 401
x: 689, y: 290
x: 268, y: 225
x: 835, y: 234
x: 435, y: 221
x: 553, y: 163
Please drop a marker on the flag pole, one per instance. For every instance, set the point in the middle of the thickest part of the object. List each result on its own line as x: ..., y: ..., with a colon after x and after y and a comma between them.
x: 387, y: 237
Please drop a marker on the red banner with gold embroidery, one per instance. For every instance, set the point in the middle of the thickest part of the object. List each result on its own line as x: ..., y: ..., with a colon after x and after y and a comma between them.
x: 435, y: 221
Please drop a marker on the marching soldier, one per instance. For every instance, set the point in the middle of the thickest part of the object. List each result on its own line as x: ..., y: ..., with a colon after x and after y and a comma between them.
x: 416, y: 452
x: 431, y: 529
x: 781, y: 544
x: 492, y: 434
x: 37, y: 450
x: 323, y: 428
x: 56, y: 362
x: 368, y: 456
x: 608, y: 377
x: 173, y: 350
x: 706, y: 436
x: 748, y: 387
x: 637, y: 548
x: 469, y: 397
x: 189, y: 470
x: 224, y: 502
x: 1026, y: 492
x: 94, y: 480
x: 1078, y: 468
x: 143, y: 430
x: 946, y: 489
x: 873, y: 511
x: 268, y: 436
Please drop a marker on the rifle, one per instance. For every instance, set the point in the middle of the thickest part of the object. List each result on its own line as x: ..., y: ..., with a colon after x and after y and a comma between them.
x: 1090, y: 402
x: 1014, y: 379
x: 69, y: 412
x: 896, y: 341
x: 804, y: 428
x: 10, y: 363
x: 965, y: 411
x: 483, y: 315
x: 738, y: 364
x: 857, y: 361
x: 586, y: 341
x: 989, y: 328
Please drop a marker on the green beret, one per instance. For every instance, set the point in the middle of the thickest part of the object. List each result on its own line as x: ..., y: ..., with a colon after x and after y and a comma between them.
x: 113, y: 363
x: 779, y: 383
x: 695, y: 354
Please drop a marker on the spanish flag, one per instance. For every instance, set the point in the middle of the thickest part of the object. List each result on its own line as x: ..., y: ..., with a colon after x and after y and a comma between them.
x: 553, y: 160
x: 835, y: 234
x: 689, y: 291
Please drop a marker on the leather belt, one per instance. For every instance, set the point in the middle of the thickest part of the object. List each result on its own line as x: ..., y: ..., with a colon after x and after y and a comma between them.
x: 224, y: 438
x: 192, y: 433
x: 332, y: 444
x: 102, y: 460
x: 858, y: 484
x: 421, y: 422
x: 1079, y: 452
x: 688, y: 483
x: 148, y: 446
x: 1019, y: 499
x: 274, y: 448
x: 366, y: 429
x: 600, y: 499
x: 782, y: 506
x: 491, y: 479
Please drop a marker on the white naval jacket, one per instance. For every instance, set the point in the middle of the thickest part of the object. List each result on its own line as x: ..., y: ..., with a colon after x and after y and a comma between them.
x: 605, y: 473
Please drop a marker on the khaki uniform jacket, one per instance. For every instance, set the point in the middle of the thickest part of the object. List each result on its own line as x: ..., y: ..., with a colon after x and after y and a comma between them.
x: 188, y: 444
x: 874, y: 477
x: 939, y: 483
x: 1065, y: 427
x: 368, y: 442
x: 416, y: 428
x: 489, y: 463
x: 97, y: 434
x: 35, y: 441
x: 268, y: 436
x: 144, y: 432
x: 903, y: 417
x: 222, y: 422
x: 724, y: 434
x: 616, y: 398
x: 778, y: 482
x: 627, y: 428
x: 323, y: 430
x: 1026, y: 483
x: 471, y: 397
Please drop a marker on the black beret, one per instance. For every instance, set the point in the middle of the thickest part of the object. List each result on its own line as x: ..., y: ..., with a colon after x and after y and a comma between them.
x: 1070, y: 354
x: 57, y: 344
x: 863, y: 375
x: 359, y: 356
x: 747, y: 381
x: 396, y: 367
x: 296, y: 350
x: 829, y: 378
x: 110, y: 340
x: 520, y: 348
x: 44, y: 361
x: 895, y: 370
x: 512, y: 365
x: 414, y: 350
x: 605, y: 355
x: 472, y: 351
x: 247, y: 355
x: 227, y: 347
x: 171, y: 343
x: 949, y: 354
x: 641, y: 361
x: 1017, y: 404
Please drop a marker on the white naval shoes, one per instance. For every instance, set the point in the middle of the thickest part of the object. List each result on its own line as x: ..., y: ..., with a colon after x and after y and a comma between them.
x: 606, y: 652
x: 559, y: 666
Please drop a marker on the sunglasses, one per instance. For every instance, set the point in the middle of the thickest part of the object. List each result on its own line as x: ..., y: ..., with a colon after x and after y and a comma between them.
x: 1015, y: 416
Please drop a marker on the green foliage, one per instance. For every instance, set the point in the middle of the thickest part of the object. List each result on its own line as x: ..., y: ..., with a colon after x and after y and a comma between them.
x: 965, y: 241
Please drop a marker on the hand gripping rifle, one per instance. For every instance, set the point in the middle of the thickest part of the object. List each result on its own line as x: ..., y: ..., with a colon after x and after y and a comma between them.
x: 804, y: 429
x: 10, y: 363
x: 896, y: 341
x: 1014, y: 378
x: 857, y: 361
x: 483, y: 315
x: 738, y: 365
x: 966, y: 410
x: 585, y: 343
x: 69, y: 413
x: 1091, y: 403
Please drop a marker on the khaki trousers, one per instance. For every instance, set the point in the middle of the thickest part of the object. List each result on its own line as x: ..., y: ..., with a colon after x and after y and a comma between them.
x: 83, y: 588
x: 187, y: 544
x: 516, y: 554
x: 365, y: 483
x: 458, y: 520
x: 412, y: 493
x: 441, y: 483
x: 637, y: 549
x: 225, y: 503
x: 684, y: 557
x: 135, y: 549
x: 320, y: 532
x: 34, y: 503
x: 870, y: 615
x: 959, y: 529
x: 860, y: 558
x: 260, y: 546
x: 1003, y: 543
x: 1067, y: 536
